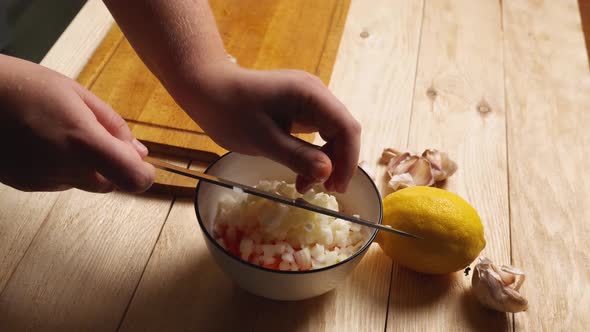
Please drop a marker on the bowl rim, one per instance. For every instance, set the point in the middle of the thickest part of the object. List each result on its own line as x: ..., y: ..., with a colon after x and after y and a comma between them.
x: 239, y: 260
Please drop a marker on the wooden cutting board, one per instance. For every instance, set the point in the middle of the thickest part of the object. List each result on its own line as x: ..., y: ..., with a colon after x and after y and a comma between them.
x: 260, y: 34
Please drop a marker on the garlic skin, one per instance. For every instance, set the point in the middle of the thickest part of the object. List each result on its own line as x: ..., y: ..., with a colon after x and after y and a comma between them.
x: 388, y: 154
x: 407, y: 169
x: 497, y: 287
x: 442, y: 166
x: 401, y: 181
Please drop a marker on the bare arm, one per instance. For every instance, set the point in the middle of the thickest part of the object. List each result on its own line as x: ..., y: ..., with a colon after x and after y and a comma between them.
x: 175, y: 39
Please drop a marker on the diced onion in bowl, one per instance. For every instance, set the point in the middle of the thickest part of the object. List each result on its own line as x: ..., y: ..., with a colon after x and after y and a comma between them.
x: 286, y: 238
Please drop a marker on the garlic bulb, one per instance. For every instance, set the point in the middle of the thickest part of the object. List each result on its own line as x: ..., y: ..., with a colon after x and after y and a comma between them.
x: 407, y: 169
x: 497, y: 287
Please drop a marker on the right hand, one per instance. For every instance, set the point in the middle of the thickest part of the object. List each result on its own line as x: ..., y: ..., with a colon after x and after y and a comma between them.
x: 55, y: 134
x: 255, y: 111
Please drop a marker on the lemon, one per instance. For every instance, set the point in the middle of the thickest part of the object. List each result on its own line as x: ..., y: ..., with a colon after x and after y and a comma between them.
x: 451, y: 230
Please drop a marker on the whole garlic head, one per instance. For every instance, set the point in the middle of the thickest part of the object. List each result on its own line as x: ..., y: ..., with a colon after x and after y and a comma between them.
x: 497, y: 287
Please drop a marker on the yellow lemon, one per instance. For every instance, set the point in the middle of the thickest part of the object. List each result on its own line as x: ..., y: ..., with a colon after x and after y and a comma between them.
x: 451, y: 230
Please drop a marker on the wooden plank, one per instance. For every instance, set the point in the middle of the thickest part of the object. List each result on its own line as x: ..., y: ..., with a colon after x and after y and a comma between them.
x: 125, y: 83
x: 459, y: 108
x: 22, y: 215
x: 358, y: 304
x: 104, y: 52
x: 84, y: 264
x: 183, y: 289
x: 374, y: 73
x: 168, y: 183
x: 547, y: 85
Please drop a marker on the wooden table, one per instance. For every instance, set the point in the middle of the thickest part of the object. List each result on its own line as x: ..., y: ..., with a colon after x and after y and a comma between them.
x: 503, y: 86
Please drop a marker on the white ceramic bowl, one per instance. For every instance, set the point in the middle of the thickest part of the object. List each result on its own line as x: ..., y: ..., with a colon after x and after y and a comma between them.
x: 362, y: 198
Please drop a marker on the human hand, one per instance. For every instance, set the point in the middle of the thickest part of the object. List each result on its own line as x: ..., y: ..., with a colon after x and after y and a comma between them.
x: 253, y: 112
x: 55, y: 134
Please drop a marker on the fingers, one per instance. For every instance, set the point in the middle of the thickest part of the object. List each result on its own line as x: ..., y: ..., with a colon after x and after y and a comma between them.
x: 303, y: 158
x: 112, y: 149
x: 116, y: 160
x: 320, y: 108
x: 111, y: 120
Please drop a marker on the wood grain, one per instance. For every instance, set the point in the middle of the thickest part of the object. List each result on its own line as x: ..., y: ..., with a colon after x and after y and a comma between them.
x: 84, y: 264
x: 22, y: 215
x: 547, y: 90
x: 182, y: 288
x: 374, y: 73
x: 459, y: 108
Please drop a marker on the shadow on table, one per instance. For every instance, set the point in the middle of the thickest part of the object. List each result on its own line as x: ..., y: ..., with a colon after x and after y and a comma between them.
x: 416, y: 292
x: 480, y: 318
x: 196, y: 295
x: 412, y: 289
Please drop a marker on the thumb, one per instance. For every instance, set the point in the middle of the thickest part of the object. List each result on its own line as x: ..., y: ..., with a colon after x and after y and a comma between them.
x: 305, y: 159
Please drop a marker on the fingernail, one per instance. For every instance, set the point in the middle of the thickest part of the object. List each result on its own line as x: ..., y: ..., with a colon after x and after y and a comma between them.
x: 141, y: 149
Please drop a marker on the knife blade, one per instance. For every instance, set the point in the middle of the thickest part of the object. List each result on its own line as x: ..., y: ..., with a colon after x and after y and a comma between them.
x: 298, y: 203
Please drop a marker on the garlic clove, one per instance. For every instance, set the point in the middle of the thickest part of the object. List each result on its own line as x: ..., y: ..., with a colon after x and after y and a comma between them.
x: 368, y: 169
x: 496, y: 288
x: 434, y: 157
x: 505, y: 277
x: 449, y: 167
x: 401, y: 164
x: 421, y: 172
x: 388, y: 154
x: 394, y: 163
x: 424, y: 170
x: 512, y: 269
x: 442, y: 166
x: 516, y: 272
x: 401, y: 181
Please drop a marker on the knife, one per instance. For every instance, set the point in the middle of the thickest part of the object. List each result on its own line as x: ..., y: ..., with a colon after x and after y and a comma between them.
x: 298, y: 203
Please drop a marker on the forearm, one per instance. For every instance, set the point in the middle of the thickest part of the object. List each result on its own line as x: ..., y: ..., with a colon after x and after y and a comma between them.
x: 174, y: 38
